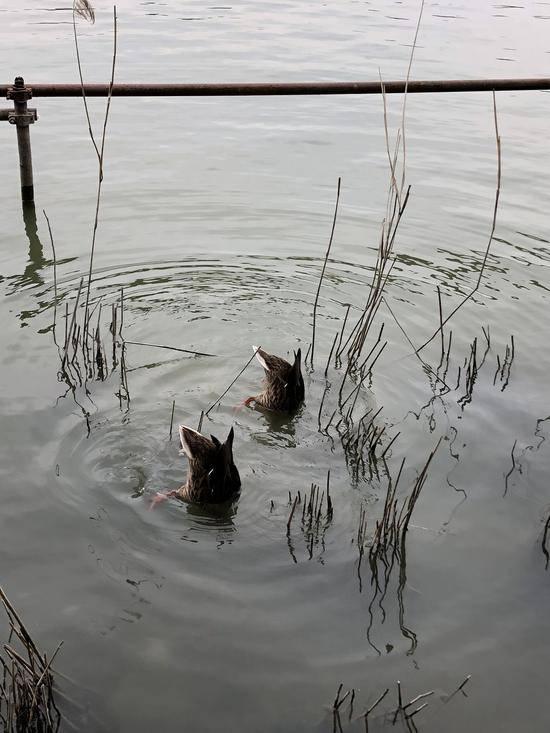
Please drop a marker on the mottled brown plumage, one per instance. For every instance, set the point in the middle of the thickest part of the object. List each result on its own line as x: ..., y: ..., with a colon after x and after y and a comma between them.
x: 213, y: 477
x: 283, y: 384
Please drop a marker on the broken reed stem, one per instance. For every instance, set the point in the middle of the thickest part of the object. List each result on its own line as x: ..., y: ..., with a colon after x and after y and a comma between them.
x: 417, y: 698
x: 323, y: 270
x: 399, y: 702
x: 460, y: 688
x: 171, y: 348
x: 491, y: 235
x: 232, y: 383
x: 172, y: 418
x: 369, y: 711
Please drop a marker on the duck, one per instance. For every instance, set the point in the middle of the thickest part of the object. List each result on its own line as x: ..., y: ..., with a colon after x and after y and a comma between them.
x: 213, y: 477
x: 283, y: 384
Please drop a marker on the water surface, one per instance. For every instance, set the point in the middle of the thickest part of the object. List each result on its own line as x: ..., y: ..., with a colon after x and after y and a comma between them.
x: 215, y: 219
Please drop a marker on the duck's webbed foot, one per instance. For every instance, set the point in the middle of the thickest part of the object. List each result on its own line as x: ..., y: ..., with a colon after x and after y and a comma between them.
x: 244, y: 403
x: 159, y: 497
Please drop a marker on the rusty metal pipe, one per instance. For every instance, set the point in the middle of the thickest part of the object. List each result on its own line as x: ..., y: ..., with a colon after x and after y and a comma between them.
x: 22, y: 118
x: 296, y: 88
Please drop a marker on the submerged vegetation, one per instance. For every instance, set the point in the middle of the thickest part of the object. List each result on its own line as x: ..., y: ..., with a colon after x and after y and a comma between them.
x: 403, y: 712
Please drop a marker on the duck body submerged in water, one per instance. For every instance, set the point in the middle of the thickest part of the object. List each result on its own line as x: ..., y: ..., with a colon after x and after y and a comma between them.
x: 213, y: 477
x: 284, y: 389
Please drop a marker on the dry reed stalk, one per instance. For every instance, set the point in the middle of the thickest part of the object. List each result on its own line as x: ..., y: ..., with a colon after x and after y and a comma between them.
x: 316, y: 517
x: 424, y: 363
x: 84, y: 356
x: 353, y: 344
x: 390, y: 531
x: 372, y: 707
x: 491, y: 235
x: 54, y: 276
x: 291, y: 514
x: 27, y: 701
x: 323, y: 270
x: 70, y: 333
x: 330, y: 354
x: 337, y: 361
x: 172, y: 419
x: 441, y: 323
x: 232, y: 383
x: 398, y: 195
x: 84, y: 9
x: 170, y: 348
x: 460, y: 688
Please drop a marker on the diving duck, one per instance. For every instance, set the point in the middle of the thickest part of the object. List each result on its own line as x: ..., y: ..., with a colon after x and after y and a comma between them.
x: 284, y: 384
x: 213, y: 477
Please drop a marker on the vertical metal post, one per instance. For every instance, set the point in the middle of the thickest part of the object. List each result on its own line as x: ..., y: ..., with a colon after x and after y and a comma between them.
x: 22, y: 118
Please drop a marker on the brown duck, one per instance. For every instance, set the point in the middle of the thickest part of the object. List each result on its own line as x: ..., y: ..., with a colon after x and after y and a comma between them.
x: 213, y: 477
x: 283, y: 384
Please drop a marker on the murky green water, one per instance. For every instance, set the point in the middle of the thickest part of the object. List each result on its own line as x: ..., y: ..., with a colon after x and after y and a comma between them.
x: 215, y: 219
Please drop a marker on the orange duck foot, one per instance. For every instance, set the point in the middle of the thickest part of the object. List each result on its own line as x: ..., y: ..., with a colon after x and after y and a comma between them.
x: 159, y: 497
x: 244, y: 403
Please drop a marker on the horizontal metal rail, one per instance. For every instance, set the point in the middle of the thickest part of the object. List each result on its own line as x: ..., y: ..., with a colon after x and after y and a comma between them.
x: 296, y: 88
x: 22, y: 116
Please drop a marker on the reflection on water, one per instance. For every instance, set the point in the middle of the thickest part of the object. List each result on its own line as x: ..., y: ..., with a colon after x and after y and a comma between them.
x: 214, y: 519
x: 36, y: 260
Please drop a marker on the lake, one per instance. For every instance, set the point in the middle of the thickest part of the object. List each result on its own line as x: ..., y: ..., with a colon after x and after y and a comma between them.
x: 215, y: 219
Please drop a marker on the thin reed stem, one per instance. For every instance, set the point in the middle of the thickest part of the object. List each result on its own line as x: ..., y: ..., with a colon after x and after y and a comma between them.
x: 491, y: 235
x: 170, y: 348
x: 100, y: 154
x: 232, y: 383
x: 323, y: 270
